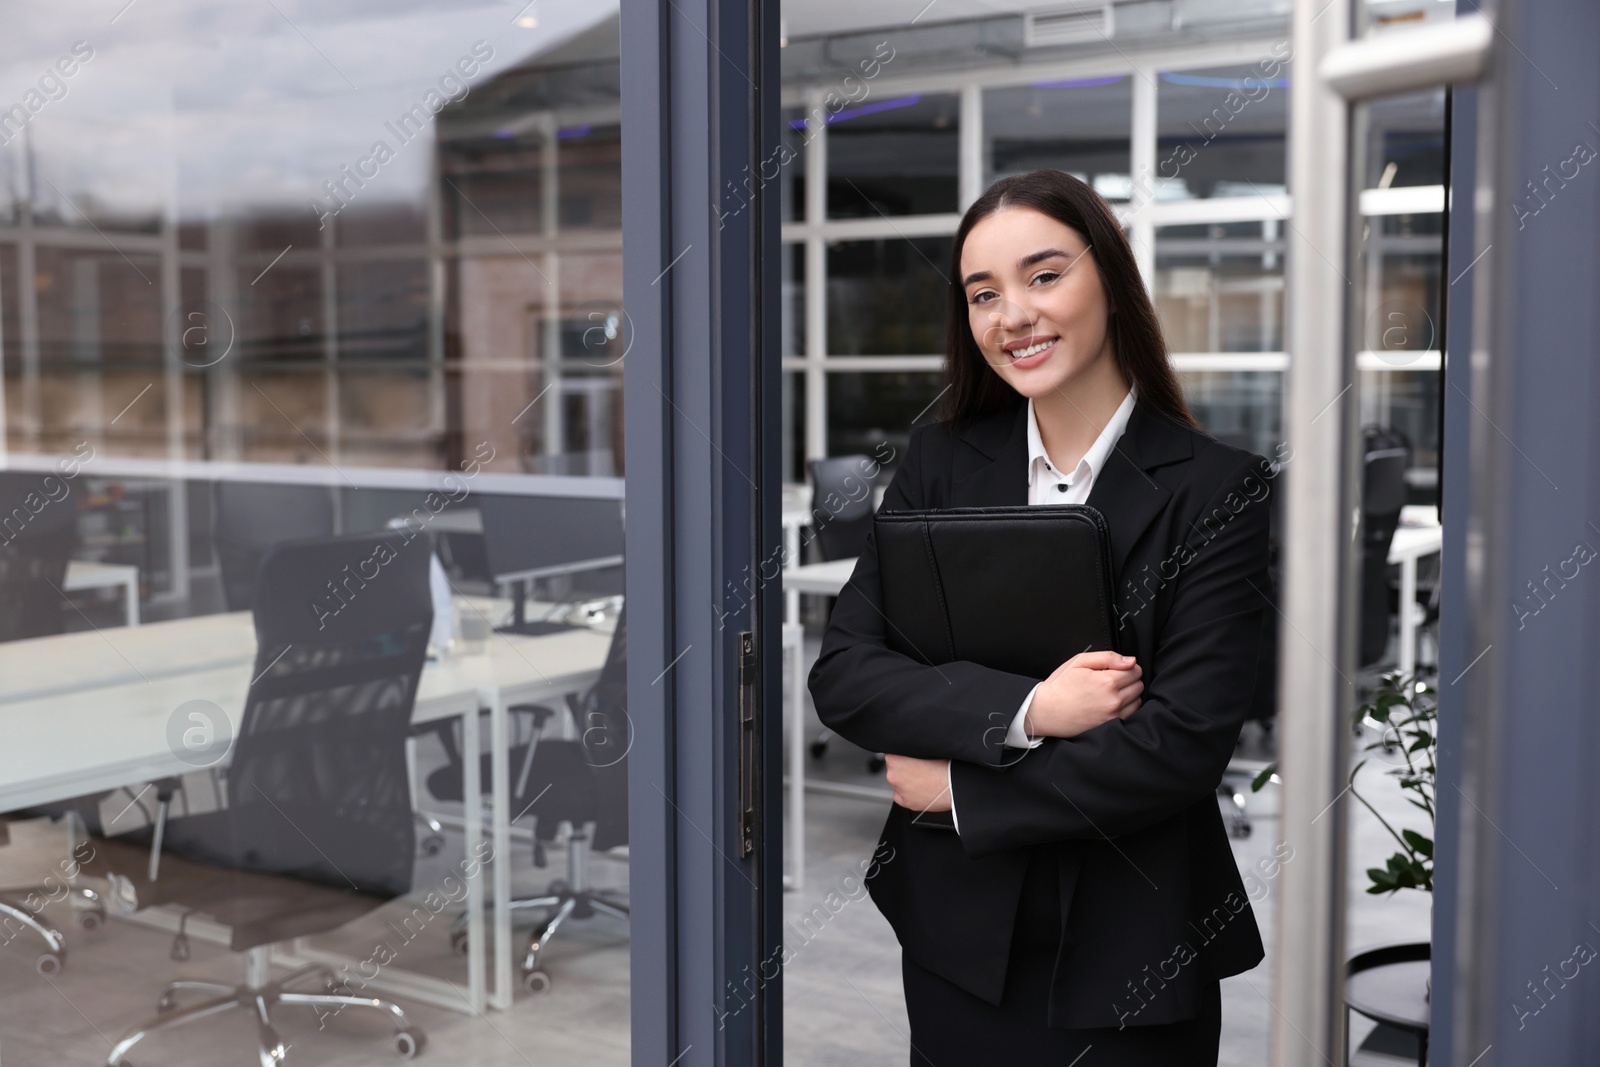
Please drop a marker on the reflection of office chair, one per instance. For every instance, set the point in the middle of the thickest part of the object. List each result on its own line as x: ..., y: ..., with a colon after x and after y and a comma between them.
x: 841, y: 510
x: 583, y: 782
x: 317, y: 829
x: 38, y: 531
x: 251, y: 517
x: 1382, y: 495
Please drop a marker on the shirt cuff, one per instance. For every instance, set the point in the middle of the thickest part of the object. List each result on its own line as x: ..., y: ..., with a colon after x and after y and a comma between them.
x: 1017, y: 735
x: 950, y: 787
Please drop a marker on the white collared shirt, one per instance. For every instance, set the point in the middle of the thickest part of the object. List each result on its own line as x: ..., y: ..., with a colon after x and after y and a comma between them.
x: 1047, y: 485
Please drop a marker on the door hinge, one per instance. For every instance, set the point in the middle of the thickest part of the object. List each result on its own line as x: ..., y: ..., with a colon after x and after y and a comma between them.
x: 747, y: 743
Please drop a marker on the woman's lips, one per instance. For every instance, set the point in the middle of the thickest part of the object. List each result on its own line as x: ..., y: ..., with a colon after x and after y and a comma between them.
x: 1035, y: 359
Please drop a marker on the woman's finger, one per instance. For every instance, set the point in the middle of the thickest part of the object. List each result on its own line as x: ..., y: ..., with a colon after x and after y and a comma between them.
x: 1100, y: 661
x: 1129, y: 708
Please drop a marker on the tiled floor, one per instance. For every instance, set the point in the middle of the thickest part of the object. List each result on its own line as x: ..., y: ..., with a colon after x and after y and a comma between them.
x: 842, y: 996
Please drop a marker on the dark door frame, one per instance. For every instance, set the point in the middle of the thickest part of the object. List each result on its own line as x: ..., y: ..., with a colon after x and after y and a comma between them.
x: 701, y: 381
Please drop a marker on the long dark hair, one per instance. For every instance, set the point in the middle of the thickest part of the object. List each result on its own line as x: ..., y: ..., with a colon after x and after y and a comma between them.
x: 975, y: 390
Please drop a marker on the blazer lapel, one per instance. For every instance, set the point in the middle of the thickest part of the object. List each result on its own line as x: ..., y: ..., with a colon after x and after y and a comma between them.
x: 1124, y: 491
x: 993, y: 471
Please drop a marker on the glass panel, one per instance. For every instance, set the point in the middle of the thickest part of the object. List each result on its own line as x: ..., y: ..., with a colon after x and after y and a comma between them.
x: 887, y: 297
x: 1240, y: 408
x: 294, y: 305
x: 874, y: 412
x: 1402, y: 264
x: 1221, y: 131
x: 1407, y: 402
x: 1079, y: 125
x: 894, y: 155
x: 1220, y: 288
x: 794, y: 300
x: 1405, y: 133
x: 493, y: 182
x: 790, y: 160
x: 590, y: 158
x: 794, y: 427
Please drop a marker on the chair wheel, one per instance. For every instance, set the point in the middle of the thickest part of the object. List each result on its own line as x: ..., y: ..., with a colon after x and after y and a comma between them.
x: 558, y: 888
x: 431, y: 845
x: 819, y: 749
x: 409, y: 1043
x: 47, y: 964
x: 91, y: 920
x: 180, y: 948
x: 536, y: 981
x: 458, y: 942
x: 876, y: 764
x: 166, y: 1003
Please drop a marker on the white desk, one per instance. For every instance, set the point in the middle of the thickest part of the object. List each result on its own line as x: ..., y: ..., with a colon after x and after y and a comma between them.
x: 796, y: 516
x: 80, y: 718
x: 1419, y: 534
x: 824, y: 579
x: 82, y: 575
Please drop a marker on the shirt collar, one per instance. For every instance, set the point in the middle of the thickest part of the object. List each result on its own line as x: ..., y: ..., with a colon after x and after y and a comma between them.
x: 1094, y: 459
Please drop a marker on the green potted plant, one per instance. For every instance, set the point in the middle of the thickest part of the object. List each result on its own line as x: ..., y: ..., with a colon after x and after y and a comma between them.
x: 1405, y: 709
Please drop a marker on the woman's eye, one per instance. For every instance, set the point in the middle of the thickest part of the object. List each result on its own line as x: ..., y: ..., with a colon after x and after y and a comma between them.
x: 981, y: 298
x: 1047, y: 276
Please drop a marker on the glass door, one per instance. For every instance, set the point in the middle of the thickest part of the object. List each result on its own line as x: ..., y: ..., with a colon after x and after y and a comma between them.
x: 312, y: 602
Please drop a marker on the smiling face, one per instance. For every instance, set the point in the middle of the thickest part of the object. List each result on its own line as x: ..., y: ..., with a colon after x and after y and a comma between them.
x: 1035, y: 302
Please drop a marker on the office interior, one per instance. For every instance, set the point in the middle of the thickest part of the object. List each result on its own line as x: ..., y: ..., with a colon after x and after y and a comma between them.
x: 324, y: 305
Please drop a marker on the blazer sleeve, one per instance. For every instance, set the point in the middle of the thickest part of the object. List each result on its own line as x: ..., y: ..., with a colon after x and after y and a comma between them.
x: 885, y: 701
x: 1128, y: 774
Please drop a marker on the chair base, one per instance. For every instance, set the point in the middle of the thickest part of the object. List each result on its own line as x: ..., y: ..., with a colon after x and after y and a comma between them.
x: 563, y: 903
x: 260, y: 997
x: 568, y: 903
x: 15, y: 912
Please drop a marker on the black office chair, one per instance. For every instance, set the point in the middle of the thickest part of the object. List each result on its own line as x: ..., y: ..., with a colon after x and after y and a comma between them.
x: 582, y: 782
x: 248, y: 518
x: 317, y: 828
x: 841, y: 528
x: 842, y: 508
x: 1383, y: 493
x: 38, y: 532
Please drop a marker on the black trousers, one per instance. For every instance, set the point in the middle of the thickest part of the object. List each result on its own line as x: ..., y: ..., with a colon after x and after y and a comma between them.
x: 952, y: 1028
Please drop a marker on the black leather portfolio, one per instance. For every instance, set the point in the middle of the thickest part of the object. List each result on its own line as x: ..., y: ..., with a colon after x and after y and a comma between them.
x: 1018, y: 588
x: 1021, y: 589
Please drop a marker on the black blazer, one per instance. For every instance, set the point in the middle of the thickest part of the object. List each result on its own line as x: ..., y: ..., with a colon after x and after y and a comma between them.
x: 1151, y: 898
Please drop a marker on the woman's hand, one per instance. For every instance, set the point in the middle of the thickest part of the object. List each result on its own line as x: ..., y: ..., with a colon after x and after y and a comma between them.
x: 919, y: 784
x: 1089, y: 689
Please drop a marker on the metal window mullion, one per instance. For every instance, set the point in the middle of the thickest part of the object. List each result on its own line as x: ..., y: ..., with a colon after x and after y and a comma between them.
x: 1314, y: 696
x: 1142, y: 165
x: 550, y: 326
x: 816, y: 294
x: 970, y: 155
x: 330, y: 346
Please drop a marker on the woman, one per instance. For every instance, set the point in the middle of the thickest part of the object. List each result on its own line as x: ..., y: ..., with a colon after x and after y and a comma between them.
x: 1087, y: 902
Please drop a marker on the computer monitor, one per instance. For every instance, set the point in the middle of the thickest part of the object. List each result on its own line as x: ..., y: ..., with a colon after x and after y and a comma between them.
x: 526, y: 537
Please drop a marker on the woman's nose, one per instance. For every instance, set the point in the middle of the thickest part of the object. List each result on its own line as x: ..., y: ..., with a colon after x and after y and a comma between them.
x: 1006, y: 320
